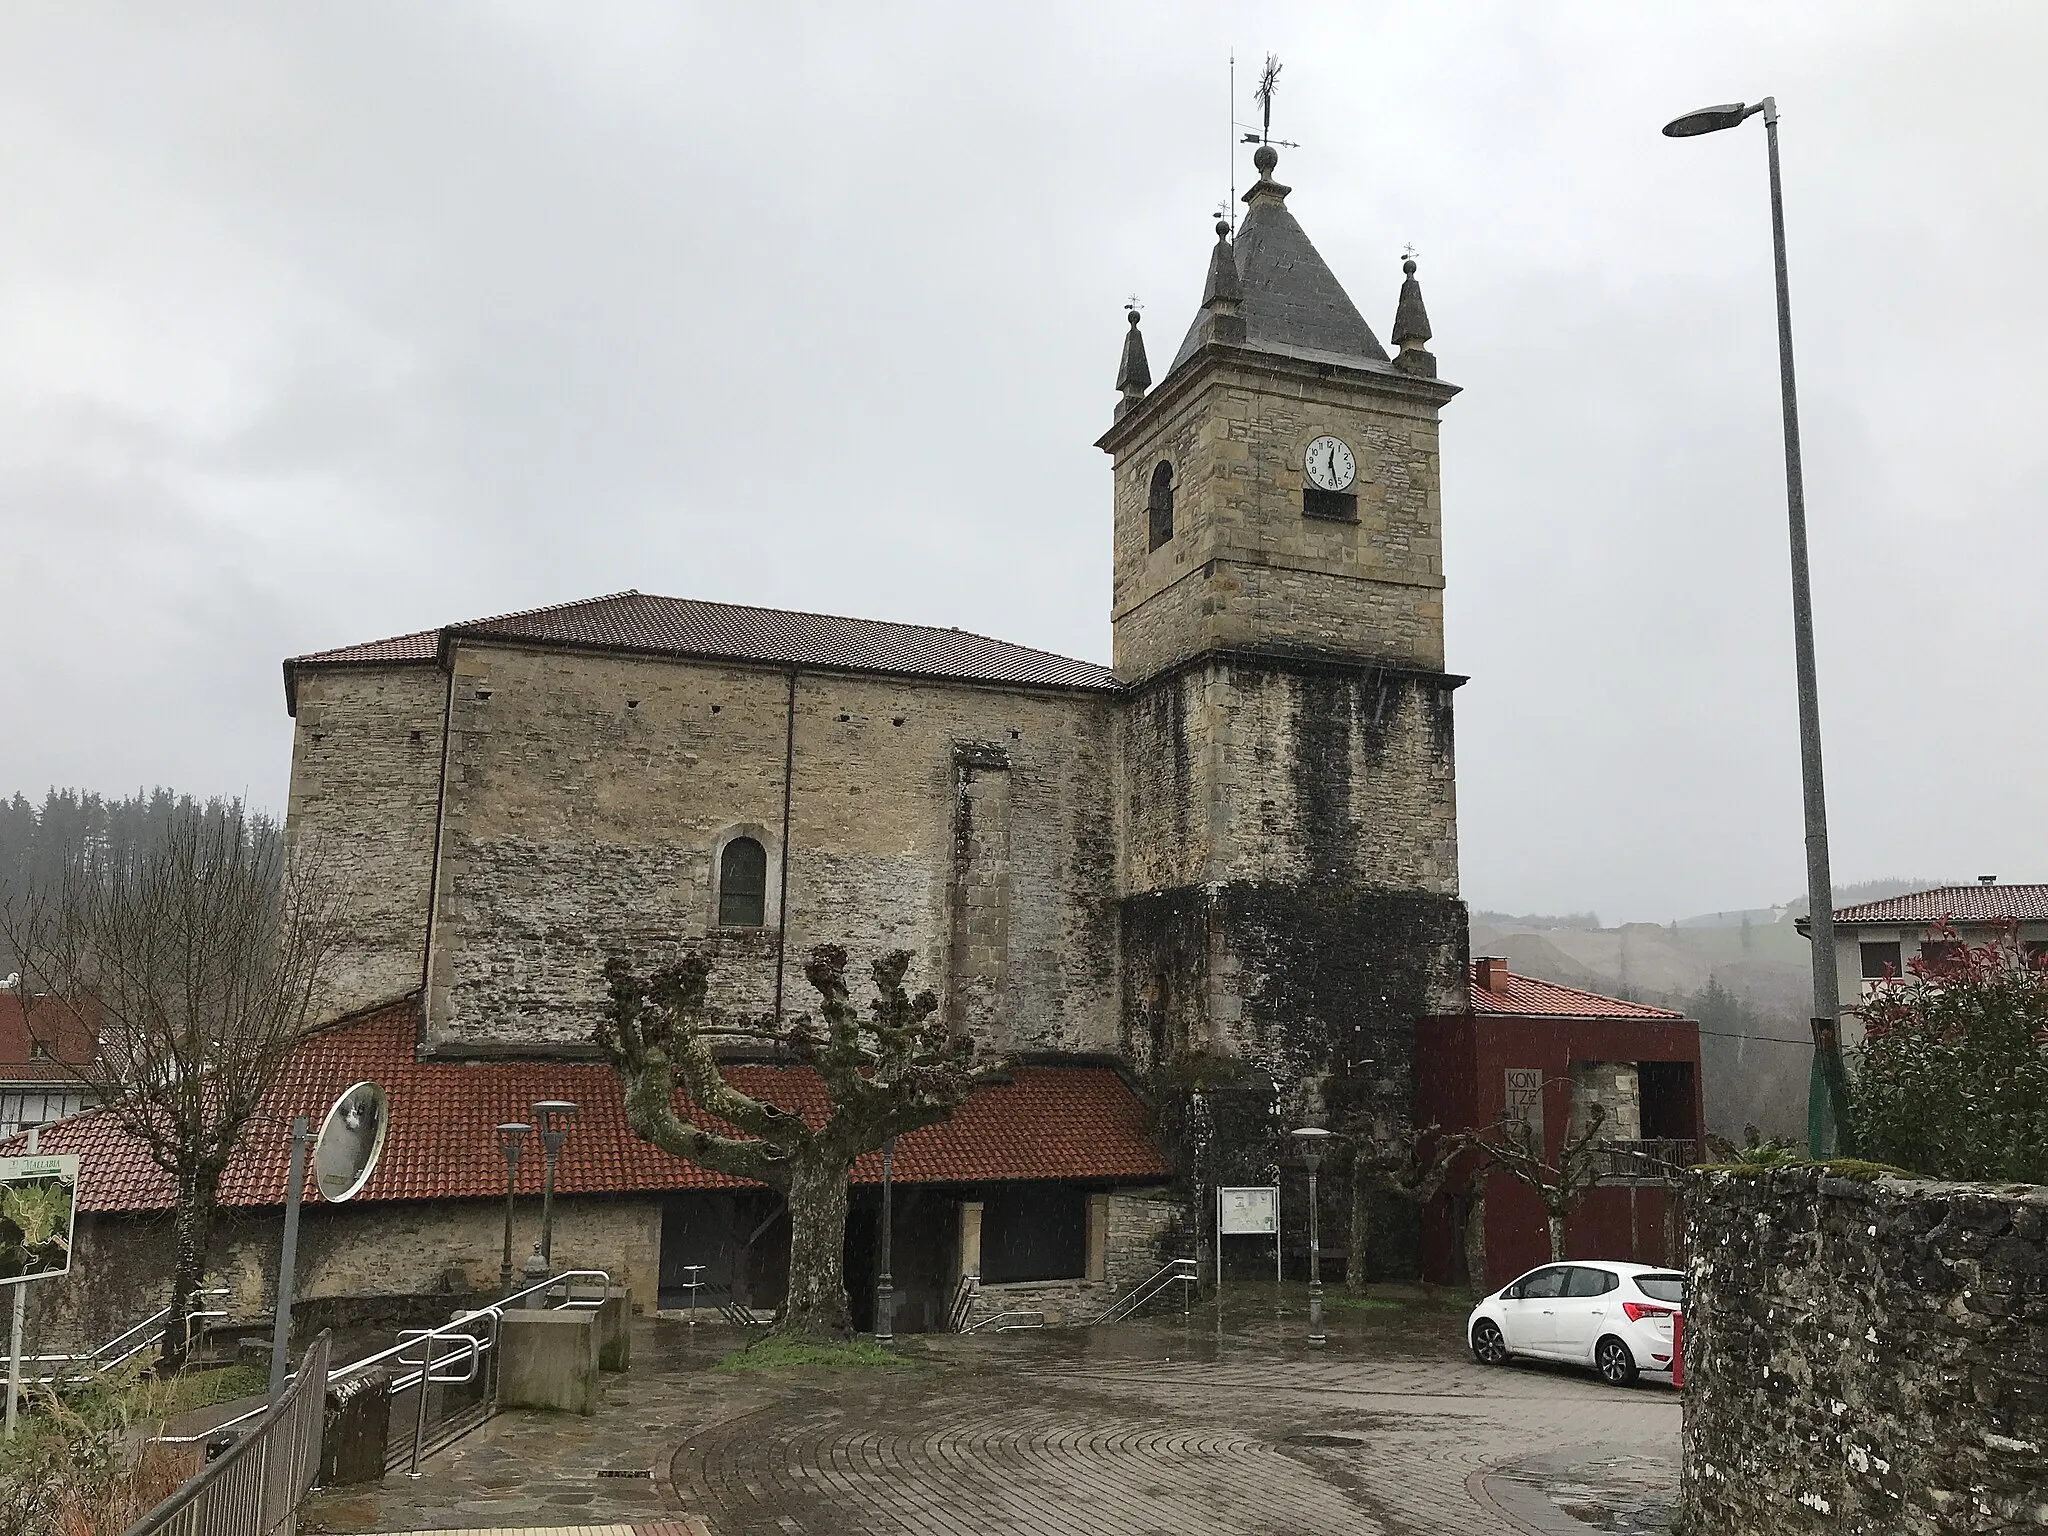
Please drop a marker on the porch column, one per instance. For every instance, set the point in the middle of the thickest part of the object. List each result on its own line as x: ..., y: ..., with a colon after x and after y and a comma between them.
x: 970, y: 1237
x: 1098, y: 1238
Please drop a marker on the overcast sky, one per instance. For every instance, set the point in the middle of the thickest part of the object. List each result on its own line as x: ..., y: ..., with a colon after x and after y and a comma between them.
x: 323, y: 323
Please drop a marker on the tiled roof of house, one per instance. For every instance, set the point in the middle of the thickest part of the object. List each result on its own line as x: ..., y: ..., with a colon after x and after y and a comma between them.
x: 1965, y: 903
x: 645, y: 624
x: 1528, y: 997
x: 1080, y: 1122
x: 60, y: 1035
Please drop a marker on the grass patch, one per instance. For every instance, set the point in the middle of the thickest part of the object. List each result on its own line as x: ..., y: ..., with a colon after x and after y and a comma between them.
x: 1344, y: 1303
x: 780, y: 1352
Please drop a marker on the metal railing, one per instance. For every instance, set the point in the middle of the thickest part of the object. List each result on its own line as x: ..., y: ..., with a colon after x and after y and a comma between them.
x: 462, y: 1352
x: 254, y: 1487
x: 1175, y: 1272
x: 44, y: 1370
x: 1007, y: 1322
x: 1656, y: 1160
x: 962, y: 1307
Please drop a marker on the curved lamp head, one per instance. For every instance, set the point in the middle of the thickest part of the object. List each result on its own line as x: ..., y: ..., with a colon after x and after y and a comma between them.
x: 1311, y: 1139
x: 1709, y: 120
x: 511, y: 1135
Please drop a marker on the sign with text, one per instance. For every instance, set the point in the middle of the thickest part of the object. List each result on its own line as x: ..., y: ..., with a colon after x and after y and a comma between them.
x: 37, y: 1196
x: 1525, y: 1097
x: 1252, y: 1212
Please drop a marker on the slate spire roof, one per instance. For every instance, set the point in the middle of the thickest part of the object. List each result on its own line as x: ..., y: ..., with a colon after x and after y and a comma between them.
x: 1290, y: 301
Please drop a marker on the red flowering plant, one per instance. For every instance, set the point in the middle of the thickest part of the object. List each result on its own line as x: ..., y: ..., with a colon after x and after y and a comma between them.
x: 1952, y: 1076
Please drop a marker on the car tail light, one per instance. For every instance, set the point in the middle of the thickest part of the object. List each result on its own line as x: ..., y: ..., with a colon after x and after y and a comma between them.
x: 1638, y: 1310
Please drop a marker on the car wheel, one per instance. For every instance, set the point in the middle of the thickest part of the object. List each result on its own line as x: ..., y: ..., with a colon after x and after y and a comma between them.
x: 1488, y: 1344
x: 1617, y: 1367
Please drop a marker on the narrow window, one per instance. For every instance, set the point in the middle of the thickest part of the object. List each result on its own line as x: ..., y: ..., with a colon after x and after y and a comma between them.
x: 742, y: 884
x: 1161, y: 504
x: 1880, y: 961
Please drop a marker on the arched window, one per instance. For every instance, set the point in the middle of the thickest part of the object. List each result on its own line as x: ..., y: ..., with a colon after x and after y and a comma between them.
x: 742, y: 884
x: 1161, y: 504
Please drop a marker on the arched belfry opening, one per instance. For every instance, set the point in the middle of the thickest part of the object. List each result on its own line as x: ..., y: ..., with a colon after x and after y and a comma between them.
x: 1161, y: 504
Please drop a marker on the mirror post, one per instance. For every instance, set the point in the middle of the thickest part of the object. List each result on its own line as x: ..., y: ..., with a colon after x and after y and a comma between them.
x: 281, y: 1324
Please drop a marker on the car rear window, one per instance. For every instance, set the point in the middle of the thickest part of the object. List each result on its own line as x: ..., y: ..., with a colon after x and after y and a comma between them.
x: 1662, y: 1287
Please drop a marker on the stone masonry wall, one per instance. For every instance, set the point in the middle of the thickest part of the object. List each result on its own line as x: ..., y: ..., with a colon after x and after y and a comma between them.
x: 365, y: 790
x: 586, y: 794
x: 1137, y: 1227
x: 386, y: 1250
x: 1244, y: 565
x: 1864, y: 1357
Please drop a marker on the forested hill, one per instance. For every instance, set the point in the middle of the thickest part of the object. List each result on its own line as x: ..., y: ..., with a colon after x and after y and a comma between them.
x: 37, y: 840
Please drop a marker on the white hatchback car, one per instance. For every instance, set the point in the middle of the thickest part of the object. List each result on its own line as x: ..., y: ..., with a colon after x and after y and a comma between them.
x: 1614, y: 1317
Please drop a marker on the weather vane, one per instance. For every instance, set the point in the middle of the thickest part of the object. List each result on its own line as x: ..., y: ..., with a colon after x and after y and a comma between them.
x: 1268, y: 76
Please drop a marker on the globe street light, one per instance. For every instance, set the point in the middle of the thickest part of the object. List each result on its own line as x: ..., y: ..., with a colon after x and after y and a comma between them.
x: 511, y: 1137
x: 553, y: 1117
x: 1310, y: 1138
x: 1820, y: 898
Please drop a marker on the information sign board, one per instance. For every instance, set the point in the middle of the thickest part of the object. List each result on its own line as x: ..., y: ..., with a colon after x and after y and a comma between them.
x: 1253, y: 1212
x: 1525, y: 1097
x: 37, y: 1199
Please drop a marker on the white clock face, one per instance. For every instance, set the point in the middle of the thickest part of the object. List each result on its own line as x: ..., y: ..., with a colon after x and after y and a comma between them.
x: 1329, y: 464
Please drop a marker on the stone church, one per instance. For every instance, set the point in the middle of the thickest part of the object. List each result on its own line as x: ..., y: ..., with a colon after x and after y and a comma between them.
x: 1193, y: 896
x: 1236, y: 846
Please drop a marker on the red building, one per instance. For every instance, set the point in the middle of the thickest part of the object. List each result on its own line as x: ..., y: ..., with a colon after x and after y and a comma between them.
x: 1545, y: 1053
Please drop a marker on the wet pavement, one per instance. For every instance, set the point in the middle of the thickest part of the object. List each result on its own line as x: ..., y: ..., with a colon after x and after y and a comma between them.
x: 1178, y: 1426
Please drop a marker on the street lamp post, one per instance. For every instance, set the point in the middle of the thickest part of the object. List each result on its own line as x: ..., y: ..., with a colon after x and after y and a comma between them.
x: 511, y: 1137
x: 553, y: 1117
x: 1820, y: 898
x: 885, y: 1287
x: 1310, y: 1138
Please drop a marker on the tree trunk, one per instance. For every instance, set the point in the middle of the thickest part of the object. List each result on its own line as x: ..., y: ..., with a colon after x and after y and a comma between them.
x: 193, y: 1236
x: 1360, y: 1245
x: 816, y: 1304
x: 1670, y: 1228
x: 1475, y: 1242
x: 1556, y: 1239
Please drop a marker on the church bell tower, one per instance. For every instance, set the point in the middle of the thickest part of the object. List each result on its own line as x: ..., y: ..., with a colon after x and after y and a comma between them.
x: 1287, y: 815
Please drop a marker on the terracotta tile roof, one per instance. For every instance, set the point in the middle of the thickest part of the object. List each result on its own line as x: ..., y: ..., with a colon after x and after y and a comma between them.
x: 1079, y: 1122
x: 672, y: 626
x: 1965, y: 903
x: 1526, y: 996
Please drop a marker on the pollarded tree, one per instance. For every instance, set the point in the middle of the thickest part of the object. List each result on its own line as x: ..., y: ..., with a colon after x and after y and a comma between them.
x: 896, y: 1069
x: 1408, y: 1162
x: 1515, y: 1147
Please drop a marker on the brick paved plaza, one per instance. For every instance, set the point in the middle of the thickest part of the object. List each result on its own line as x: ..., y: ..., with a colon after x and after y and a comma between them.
x: 1155, y: 1428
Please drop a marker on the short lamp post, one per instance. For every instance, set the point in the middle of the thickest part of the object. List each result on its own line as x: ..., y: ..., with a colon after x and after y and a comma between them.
x: 885, y: 1287
x: 1310, y: 1138
x: 511, y: 1138
x: 553, y: 1117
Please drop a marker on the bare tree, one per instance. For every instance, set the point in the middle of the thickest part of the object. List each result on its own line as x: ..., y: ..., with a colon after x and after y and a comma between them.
x: 1407, y: 1162
x: 894, y: 1070
x: 198, y: 956
x: 1515, y: 1147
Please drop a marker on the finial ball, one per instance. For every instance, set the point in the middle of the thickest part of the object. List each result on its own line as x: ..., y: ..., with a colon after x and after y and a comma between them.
x: 1266, y: 158
x: 1132, y: 316
x: 1408, y: 266
x: 1223, y: 229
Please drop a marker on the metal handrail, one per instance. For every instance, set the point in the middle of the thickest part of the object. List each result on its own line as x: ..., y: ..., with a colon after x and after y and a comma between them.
x: 137, y: 1340
x: 1180, y: 1271
x: 1008, y: 1322
x: 963, y: 1303
x: 254, y: 1487
x: 495, y: 1311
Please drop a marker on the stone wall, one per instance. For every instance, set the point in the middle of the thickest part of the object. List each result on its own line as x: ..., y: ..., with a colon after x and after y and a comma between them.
x: 385, y: 1251
x: 1864, y: 1356
x: 586, y: 794
x: 1136, y: 1227
x: 365, y: 792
